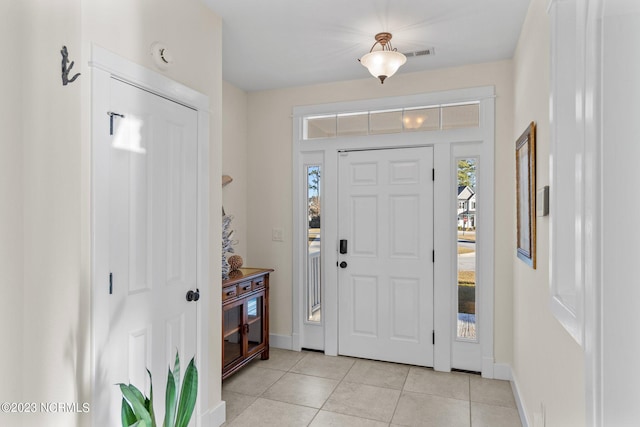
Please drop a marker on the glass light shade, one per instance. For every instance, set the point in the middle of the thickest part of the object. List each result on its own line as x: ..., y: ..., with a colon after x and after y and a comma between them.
x: 383, y: 63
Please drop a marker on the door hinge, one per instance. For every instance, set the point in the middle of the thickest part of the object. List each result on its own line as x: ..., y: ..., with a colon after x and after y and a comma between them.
x: 433, y: 174
x: 433, y: 337
x: 433, y: 256
x: 110, y: 283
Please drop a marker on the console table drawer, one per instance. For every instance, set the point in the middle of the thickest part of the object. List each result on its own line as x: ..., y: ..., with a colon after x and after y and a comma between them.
x: 229, y: 292
x: 258, y: 283
x: 244, y: 287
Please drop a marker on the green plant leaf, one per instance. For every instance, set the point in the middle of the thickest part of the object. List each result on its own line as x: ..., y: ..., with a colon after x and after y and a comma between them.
x: 126, y: 414
x: 136, y: 399
x: 188, y: 395
x: 176, y: 370
x: 134, y: 392
x: 171, y: 400
x: 149, y: 402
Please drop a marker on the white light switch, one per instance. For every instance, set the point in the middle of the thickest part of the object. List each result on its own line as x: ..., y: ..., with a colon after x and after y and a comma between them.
x: 276, y: 234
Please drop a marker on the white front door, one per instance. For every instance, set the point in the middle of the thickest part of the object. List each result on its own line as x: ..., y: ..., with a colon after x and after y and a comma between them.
x: 152, y: 179
x: 385, y: 284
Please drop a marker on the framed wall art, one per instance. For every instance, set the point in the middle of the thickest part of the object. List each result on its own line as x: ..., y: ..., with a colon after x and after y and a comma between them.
x: 526, y: 195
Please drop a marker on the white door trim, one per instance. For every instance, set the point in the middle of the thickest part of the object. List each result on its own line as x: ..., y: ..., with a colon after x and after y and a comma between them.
x: 312, y: 332
x: 442, y: 141
x: 104, y: 66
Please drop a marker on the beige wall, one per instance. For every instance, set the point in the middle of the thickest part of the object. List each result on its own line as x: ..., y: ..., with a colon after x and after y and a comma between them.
x: 54, y: 316
x: 548, y: 364
x: 234, y: 152
x: 44, y: 219
x: 270, y: 185
x: 11, y: 224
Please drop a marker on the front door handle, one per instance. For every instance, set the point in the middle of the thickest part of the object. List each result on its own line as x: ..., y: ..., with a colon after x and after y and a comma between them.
x: 193, y: 295
x: 343, y: 264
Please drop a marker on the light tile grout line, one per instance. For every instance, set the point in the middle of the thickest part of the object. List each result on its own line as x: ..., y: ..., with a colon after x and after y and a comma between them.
x: 342, y: 380
x: 325, y: 401
x: 400, y: 397
x: 334, y: 390
x: 355, y: 360
x: 288, y: 371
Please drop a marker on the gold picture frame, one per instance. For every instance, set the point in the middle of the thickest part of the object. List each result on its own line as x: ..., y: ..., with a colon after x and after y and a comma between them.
x: 526, y: 195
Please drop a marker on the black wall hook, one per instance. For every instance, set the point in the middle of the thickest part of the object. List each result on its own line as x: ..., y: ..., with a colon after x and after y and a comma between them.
x: 65, y: 69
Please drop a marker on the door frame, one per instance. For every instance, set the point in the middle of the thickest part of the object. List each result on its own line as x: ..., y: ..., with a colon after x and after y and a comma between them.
x: 443, y: 143
x: 106, y: 65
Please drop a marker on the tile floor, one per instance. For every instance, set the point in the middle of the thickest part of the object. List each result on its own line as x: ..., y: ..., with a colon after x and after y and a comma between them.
x: 311, y: 389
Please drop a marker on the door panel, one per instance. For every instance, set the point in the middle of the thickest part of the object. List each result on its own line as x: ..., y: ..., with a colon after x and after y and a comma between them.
x: 152, y: 169
x: 403, y: 222
x: 364, y: 300
x: 364, y: 221
x: 404, y: 309
x: 386, y: 288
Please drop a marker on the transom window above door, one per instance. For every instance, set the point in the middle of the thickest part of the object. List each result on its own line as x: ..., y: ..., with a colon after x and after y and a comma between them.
x: 374, y: 122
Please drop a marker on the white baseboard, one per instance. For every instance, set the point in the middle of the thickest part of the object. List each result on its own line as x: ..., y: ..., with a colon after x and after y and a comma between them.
x: 216, y: 416
x: 280, y: 341
x: 502, y: 371
x: 519, y: 403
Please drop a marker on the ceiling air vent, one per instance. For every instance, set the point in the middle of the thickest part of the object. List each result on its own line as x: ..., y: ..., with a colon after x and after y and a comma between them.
x: 424, y: 52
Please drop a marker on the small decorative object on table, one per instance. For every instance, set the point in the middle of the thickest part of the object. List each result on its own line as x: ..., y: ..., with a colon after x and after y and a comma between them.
x: 235, y: 262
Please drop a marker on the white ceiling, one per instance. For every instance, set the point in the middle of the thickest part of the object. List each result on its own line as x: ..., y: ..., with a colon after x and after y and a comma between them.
x: 270, y: 44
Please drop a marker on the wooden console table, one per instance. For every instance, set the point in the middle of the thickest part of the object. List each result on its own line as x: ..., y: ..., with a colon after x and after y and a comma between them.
x: 245, y: 318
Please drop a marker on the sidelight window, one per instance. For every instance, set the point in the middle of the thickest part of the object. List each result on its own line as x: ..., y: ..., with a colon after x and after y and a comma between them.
x: 466, y: 218
x: 314, y: 279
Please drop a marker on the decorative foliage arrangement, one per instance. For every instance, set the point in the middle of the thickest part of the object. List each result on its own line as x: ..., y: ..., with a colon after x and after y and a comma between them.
x: 137, y: 410
x: 234, y: 262
x: 227, y: 244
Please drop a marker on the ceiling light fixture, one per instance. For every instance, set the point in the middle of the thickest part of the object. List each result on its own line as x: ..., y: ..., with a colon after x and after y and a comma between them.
x: 385, y: 62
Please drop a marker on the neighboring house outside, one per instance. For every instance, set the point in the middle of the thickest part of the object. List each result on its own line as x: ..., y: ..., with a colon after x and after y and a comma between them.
x: 466, y: 207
